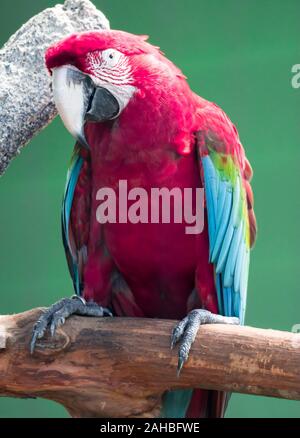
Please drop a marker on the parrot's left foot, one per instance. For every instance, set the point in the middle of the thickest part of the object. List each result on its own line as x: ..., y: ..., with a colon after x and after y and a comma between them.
x: 186, y: 331
x: 55, y: 315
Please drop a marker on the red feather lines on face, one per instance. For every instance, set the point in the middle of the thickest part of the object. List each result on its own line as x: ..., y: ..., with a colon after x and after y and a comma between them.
x: 119, y: 74
x: 74, y: 48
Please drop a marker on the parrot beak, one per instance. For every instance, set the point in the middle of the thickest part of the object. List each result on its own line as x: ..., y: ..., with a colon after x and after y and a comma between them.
x: 78, y: 100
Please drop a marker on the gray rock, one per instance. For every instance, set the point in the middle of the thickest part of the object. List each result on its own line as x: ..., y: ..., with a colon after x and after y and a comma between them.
x: 26, y: 104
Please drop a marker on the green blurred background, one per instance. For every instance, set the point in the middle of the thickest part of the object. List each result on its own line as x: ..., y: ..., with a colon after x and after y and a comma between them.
x: 236, y: 53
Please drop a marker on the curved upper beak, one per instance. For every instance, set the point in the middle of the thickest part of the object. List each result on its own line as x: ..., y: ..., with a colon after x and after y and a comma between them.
x: 78, y: 100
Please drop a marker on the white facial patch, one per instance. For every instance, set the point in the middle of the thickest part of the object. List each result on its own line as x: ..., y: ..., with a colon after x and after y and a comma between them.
x: 111, y: 69
x: 69, y: 98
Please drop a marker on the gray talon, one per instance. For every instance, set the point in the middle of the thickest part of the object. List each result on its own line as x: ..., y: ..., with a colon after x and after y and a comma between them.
x: 57, y: 314
x: 57, y: 321
x: 186, y: 331
x: 39, y: 330
x: 178, y: 331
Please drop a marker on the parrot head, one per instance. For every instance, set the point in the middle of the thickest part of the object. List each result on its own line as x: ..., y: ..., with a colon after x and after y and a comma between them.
x: 96, y: 74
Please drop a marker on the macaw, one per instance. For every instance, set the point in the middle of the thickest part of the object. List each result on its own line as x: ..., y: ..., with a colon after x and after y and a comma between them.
x: 135, y: 118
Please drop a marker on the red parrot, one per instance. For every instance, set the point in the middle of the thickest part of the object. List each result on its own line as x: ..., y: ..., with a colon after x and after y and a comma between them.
x: 136, y: 119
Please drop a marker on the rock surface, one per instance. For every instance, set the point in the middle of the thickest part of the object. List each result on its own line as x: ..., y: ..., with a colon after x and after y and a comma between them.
x: 26, y: 104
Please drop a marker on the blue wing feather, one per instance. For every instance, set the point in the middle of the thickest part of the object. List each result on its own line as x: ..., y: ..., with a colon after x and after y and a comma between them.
x: 224, y: 253
x: 221, y: 201
x: 208, y: 171
x: 223, y: 225
x: 228, y: 247
x: 232, y: 256
x: 219, y: 294
x: 72, y: 178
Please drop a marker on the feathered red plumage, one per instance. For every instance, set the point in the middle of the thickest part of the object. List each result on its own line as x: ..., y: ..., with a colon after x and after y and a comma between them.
x: 164, y: 271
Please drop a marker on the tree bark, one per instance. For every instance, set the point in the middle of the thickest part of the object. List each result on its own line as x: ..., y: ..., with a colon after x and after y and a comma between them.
x: 25, y: 94
x: 120, y: 367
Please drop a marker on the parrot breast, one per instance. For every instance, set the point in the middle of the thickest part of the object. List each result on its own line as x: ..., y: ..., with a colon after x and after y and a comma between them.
x: 157, y: 260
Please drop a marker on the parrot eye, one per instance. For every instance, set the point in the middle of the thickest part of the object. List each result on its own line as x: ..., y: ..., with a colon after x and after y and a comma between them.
x: 111, y: 57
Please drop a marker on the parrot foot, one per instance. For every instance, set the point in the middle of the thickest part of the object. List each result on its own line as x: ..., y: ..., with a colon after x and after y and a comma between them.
x: 186, y: 331
x: 55, y: 315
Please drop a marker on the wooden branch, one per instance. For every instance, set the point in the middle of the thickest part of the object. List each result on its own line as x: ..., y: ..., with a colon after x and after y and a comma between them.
x: 25, y: 95
x: 119, y: 367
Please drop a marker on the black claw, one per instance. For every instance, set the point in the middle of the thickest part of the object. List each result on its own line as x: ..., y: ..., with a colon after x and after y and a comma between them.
x: 32, y: 343
x: 38, y: 330
x: 57, y: 321
x: 107, y: 312
x: 52, y: 330
x: 173, y: 338
x: 178, y: 332
x: 36, y: 335
x: 180, y: 365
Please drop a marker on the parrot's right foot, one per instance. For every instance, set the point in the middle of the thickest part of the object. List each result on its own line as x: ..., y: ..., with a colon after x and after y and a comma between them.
x: 56, y: 315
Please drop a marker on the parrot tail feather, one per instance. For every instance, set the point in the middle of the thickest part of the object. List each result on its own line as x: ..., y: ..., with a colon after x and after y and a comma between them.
x: 207, y: 404
x: 194, y: 403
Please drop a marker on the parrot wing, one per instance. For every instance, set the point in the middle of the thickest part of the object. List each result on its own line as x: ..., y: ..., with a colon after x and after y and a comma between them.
x: 76, y: 205
x: 226, y: 174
